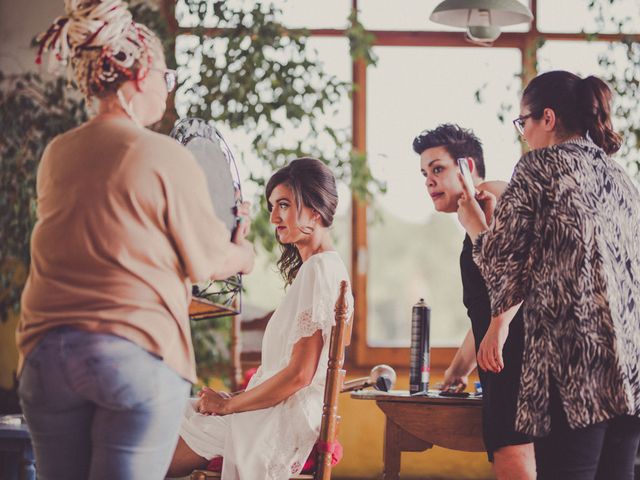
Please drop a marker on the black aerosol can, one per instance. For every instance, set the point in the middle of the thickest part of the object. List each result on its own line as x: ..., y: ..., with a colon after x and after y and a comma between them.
x: 419, y: 370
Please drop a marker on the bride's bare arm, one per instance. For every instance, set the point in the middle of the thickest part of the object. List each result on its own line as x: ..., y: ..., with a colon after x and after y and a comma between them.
x: 296, y: 375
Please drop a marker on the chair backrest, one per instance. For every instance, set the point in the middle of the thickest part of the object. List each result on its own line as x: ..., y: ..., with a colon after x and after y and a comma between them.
x: 340, y: 338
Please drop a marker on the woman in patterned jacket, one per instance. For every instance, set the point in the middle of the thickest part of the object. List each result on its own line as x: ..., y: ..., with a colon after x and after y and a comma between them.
x: 565, y: 241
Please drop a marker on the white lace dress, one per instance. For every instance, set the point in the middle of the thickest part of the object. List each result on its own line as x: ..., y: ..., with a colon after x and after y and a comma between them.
x: 273, y: 443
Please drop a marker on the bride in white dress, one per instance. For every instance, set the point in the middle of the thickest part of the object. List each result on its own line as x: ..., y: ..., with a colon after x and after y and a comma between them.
x: 268, y: 431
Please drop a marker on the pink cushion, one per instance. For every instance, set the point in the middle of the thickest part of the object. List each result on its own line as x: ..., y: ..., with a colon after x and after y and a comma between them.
x: 215, y: 465
x: 247, y: 377
x: 334, y: 448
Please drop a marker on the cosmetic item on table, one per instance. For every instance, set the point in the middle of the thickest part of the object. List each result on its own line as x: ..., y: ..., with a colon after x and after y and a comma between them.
x: 381, y: 378
x: 419, y: 360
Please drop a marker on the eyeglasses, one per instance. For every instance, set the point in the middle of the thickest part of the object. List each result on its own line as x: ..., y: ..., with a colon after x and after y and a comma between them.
x: 519, y: 122
x: 170, y: 77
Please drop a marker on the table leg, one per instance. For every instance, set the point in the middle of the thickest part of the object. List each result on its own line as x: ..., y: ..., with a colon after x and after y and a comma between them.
x: 391, y: 456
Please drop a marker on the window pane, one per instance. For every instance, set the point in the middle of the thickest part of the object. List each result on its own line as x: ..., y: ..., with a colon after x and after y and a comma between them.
x: 583, y: 58
x: 295, y: 13
x: 578, y: 57
x: 409, y: 15
x: 184, y: 17
x: 576, y: 16
x: 314, y: 14
x: 264, y: 285
x: 415, y: 252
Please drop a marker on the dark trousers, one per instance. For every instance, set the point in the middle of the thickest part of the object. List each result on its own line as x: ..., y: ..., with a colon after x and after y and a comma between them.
x: 603, y: 451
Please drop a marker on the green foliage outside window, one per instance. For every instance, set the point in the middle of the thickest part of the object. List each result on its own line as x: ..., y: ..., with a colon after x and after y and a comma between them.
x: 625, y: 82
x: 260, y: 75
x: 32, y: 112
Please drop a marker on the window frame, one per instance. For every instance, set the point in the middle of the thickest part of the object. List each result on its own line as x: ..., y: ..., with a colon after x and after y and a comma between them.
x: 362, y: 355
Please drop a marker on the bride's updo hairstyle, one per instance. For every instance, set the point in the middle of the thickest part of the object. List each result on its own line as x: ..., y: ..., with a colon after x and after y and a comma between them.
x: 102, y: 44
x: 314, y: 186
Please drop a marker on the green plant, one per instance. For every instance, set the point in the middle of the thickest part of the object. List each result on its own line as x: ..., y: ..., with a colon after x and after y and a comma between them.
x: 620, y: 65
x: 360, y: 40
x: 32, y: 112
x: 255, y: 75
x: 260, y: 77
x: 211, y: 344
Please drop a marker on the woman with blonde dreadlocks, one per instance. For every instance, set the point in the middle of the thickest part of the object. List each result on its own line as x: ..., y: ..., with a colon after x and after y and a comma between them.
x: 124, y: 225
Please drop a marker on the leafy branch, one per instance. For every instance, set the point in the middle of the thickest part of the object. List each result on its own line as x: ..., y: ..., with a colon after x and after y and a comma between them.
x: 258, y: 76
x: 254, y: 75
x: 32, y: 111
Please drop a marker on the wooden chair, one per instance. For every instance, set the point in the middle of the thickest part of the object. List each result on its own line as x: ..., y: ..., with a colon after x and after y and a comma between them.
x: 340, y: 338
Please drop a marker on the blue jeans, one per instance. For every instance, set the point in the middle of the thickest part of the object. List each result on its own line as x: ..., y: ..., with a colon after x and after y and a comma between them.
x: 100, y: 407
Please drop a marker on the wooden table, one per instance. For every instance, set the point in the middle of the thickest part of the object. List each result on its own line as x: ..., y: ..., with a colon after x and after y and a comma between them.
x: 417, y: 423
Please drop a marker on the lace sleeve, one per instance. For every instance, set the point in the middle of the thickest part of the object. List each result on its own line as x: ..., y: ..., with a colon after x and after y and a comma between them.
x: 315, y: 302
x: 310, y: 320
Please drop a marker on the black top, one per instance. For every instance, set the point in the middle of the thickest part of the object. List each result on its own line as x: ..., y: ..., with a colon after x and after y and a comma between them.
x: 476, y: 299
x: 475, y: 295
x: 500, y: 390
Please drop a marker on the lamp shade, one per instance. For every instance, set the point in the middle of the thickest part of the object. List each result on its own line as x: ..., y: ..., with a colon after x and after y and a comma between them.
x: 465, y: 13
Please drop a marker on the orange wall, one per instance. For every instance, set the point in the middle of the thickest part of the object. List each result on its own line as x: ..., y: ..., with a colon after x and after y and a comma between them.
x: 8, y: 350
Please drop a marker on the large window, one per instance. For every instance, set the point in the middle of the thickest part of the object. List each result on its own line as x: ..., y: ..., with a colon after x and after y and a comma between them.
x: 264, y: 287
x: 426, y: 75
x: 575, y: 16
x: 408, y: 15
x: 414, y: 252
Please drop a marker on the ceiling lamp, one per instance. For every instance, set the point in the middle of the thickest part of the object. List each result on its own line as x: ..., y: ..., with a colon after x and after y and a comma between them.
x: 481, y: 18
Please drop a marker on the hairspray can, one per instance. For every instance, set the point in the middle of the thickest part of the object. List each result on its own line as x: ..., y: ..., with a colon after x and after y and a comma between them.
x: 419, y: 370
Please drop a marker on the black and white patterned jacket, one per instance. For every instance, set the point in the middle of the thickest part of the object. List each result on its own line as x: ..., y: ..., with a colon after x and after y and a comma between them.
x: 565, y: 239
